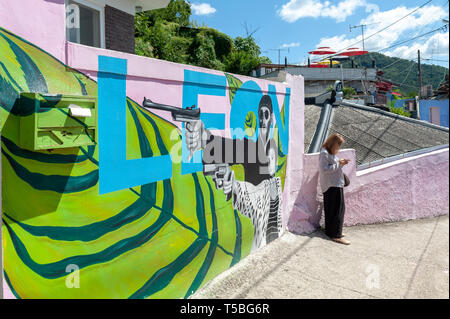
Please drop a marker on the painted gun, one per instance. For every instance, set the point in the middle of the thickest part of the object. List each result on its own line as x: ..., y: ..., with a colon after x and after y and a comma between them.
x: 178, y: 114
x: 217, y: 171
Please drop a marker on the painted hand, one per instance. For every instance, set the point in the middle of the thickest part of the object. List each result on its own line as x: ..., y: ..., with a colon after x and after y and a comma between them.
x: 224, y: 179
x: 196, y: 136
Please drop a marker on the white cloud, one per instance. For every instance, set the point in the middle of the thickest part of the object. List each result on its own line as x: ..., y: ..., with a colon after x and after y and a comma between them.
x: 298, y: 9
x: 290, y: 45
x: 423, y: 20
x: 202, y: 9
x: 435, y: 47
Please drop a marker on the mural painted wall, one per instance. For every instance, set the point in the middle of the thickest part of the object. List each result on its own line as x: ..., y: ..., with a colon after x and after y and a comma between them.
x: 149, y: 206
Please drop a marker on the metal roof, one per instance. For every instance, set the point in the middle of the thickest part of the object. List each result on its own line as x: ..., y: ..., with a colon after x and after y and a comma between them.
x: 375, y: 134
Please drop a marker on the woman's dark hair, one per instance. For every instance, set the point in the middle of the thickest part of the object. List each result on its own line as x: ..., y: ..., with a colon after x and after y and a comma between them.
x: 333, y: 140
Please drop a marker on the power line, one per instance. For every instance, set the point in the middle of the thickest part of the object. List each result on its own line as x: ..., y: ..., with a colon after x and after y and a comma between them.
x: 413, y: 38
x: 409, y: 71
x: 437, y: 60
x: 381, y: 30
x: 395, y: 62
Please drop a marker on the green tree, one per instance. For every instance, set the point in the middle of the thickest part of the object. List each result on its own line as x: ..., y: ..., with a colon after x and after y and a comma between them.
x: 168, y: 34
x: 177, y: 11
x: 399, y: 111
x: 349, y: 92
x: 241, y: 62
x: 248, y: 45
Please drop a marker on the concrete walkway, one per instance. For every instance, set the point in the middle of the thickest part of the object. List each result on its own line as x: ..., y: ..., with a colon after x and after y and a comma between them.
x: 396, y: 260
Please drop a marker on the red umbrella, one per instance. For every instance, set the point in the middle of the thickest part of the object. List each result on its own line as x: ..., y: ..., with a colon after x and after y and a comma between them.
x: 317, y: 65
x: 322, y: 51
x: 353, y: 52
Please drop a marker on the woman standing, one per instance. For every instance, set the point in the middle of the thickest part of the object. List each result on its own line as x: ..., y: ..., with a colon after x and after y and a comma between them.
x: 332, y: 183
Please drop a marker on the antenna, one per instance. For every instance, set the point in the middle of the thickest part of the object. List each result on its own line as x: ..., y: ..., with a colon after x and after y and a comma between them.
x: 362, y: 26
x: 279, y: 52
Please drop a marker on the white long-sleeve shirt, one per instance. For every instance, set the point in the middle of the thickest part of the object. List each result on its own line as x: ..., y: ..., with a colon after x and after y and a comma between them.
x: 330, y: 171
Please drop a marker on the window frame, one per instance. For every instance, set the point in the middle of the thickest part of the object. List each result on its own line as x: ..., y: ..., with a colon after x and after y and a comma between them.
x: 94, y: 6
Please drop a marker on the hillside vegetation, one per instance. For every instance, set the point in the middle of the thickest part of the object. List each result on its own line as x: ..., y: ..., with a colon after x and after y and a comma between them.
x: 403, y: 71
x: 170, y: 35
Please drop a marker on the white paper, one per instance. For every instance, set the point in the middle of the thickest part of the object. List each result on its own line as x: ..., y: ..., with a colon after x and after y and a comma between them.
x: 78, y: 111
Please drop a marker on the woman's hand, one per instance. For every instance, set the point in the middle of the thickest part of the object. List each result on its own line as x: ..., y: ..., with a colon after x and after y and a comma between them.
x: 344, y: 161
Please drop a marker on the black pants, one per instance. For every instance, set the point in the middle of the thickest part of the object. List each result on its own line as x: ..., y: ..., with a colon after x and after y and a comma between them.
x: 334, y: 207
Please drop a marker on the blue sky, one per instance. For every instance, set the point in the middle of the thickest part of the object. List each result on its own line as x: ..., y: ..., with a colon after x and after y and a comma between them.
x: 304, y: 25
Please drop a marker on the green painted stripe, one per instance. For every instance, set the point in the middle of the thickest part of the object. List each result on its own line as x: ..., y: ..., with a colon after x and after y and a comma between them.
x: 98, y: 229
x: 238, y: 243
x: 30, y: 44
x: 90, y: 153
x: 13, y: 81
x: 162, y: 147
x: 48, y: 158
x: 58, y: 269
x: 82, y: 86
x: 179, y: 221
x: 280, y: 166
x: 153, y: 114
x: 57, y: 183
x: 33, y: 76
x: 280, y: 151
x: 8, y: 97
x: 212, y: 247
x: 11, y: 287
x: 164, y: 276
x: 146, y: 149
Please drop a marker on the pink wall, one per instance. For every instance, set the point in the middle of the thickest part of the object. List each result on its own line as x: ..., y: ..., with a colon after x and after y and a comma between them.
x: 41, y: 22
x: 414, y: 187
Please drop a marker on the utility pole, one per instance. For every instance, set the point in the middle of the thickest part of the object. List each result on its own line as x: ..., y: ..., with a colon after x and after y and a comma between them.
x: 362, y: 26
x: 420, y: 86
x: 420, y: 74
x: 279, y: 53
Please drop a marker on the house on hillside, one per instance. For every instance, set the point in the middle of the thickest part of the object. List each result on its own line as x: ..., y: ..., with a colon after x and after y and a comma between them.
x: 264, y: 68
x: 318, y: 80
x: 434, y: 109
x: 442, y: 92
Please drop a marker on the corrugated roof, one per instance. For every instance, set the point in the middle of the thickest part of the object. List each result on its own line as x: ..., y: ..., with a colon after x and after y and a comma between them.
x: 374, y: 135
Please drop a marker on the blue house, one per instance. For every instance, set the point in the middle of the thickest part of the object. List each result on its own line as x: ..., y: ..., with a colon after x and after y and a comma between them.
x: 432, y: 111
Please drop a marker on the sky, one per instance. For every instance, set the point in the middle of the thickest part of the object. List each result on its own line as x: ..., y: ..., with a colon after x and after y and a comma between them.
x: 299, y: 26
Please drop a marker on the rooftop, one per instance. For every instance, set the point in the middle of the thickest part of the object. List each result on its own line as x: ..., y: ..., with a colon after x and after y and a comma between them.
x: 328, y: 74
x: 373, y: 133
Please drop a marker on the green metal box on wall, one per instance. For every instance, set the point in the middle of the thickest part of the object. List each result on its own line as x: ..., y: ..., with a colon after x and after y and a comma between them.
x: 50, y: 121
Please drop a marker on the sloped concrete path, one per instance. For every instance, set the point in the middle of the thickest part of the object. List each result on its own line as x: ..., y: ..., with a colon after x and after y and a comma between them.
x: 396, y: 260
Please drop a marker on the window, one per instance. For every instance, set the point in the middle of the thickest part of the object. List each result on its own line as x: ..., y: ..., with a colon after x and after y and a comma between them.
x: 85, y: 23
